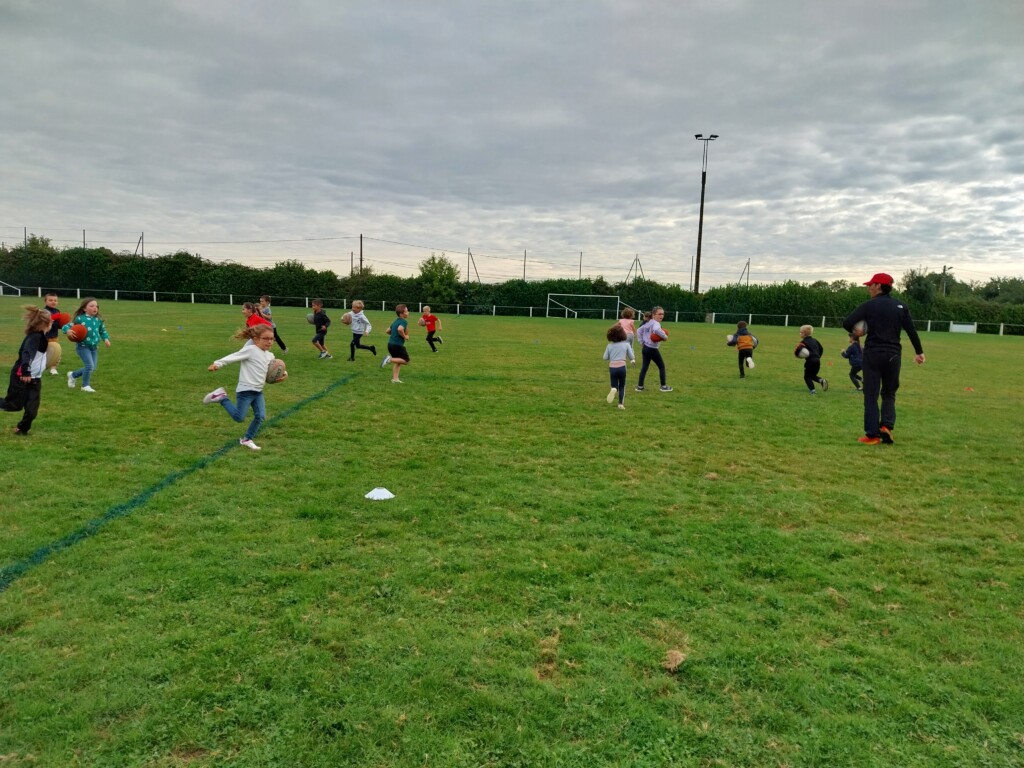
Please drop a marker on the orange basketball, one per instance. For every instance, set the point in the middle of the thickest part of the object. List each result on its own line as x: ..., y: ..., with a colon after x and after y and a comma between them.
x: 658, y: 337
x: 77, y: 332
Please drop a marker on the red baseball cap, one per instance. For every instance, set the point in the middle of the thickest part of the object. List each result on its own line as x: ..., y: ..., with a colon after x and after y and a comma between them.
x: 881, y: 278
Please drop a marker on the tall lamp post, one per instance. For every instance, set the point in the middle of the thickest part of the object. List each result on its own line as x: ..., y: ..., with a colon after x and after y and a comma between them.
x: 703, y: 185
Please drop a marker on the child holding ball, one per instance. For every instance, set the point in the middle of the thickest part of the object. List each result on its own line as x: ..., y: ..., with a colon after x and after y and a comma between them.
x: 812, y: 360
x: 618, y: 351
x: 255, y: 359
x: 360, y: 327
x: 745, y: 342
x: 87, y: 314
x: 398, y: 353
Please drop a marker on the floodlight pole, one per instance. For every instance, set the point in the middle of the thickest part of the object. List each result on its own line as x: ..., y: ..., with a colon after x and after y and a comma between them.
x: 703, y: 186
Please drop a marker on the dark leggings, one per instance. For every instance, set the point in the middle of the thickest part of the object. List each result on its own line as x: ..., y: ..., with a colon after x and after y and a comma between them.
x: 431, y: 338
x: 651, y: 355
x: 854, y: 370
x: 811, y: 368
x: 618, y: 377
x: 22, y: 396
x: 743, y: 355
x: 278, y: 340
x: 356, y: 343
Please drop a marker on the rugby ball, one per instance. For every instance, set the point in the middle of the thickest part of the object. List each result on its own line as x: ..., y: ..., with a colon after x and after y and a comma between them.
x: 730, y: 338
x: 347, y: 318
x: 62, y: 318
x: 77, y: 332
x: 276, y: 371
x: 860, y: 328
x: 756, y: 342
x: 802, y: 352
x: 310, y: 318
x: 422, y: 322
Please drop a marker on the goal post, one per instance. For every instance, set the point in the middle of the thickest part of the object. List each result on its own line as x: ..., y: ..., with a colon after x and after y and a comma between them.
x: 580, y: 305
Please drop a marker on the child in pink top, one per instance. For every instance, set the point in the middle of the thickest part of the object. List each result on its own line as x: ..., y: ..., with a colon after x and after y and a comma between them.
x: 626, y: 321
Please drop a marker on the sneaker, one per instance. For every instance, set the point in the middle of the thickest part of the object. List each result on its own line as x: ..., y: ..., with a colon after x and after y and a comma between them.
x: 439, y: 340
x: 216, y: 396
x: 638, y: 388
x: 53, y: 371
x: 397, y: 381
x: 385, y: 361
x: 328, y: 356
x: 248, y: 444
x: 19, y: 433
x: 622, y: 407
x: 374, y: 350
x: 824, y: 385
x: 814, y: 391
x: 666, y: 388
x: 887, y: 437
x: 869, y: 440
x: 750, y: 362
x: 322, y: 355
x: 611, y: 395
x: 88, y: 389
x: 351, y: 360
x: 71, y: 379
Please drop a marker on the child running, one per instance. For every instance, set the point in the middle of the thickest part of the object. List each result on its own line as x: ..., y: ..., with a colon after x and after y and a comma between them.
x: 87, y: 314
x: 616, y: 353
x: 432, y: 324
x: 321, y: 322
x: 268, y: 314
x: 628, y: 323
x: 651, y: 334
x: 53, y: 351
x: 26, y: 384
x: 855, y: 355
x: 745, y: 342
x: 812, y: 362
x: 398, y: 353
x: 360, y: 327
x: 254, y: 358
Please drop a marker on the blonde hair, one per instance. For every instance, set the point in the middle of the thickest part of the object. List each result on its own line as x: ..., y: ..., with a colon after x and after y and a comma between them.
x: 252, y: 332
x: 807, y: 330
x: 358, y: 305
x: 36, y: 319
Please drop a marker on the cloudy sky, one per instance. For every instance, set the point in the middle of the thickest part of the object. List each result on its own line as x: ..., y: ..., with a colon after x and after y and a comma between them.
x: 855, y: 136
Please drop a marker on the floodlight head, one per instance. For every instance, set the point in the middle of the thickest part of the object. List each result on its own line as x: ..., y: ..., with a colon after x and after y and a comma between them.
x: 714, y: 136
x: 698, y: 136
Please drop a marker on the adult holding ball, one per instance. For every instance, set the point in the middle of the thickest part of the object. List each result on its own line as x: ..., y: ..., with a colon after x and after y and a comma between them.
x: 86, y: 346
x: 887, y: 317
x: 651, y: 336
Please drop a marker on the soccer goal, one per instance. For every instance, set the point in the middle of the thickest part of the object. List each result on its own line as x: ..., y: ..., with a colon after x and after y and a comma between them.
x: 579, y: 305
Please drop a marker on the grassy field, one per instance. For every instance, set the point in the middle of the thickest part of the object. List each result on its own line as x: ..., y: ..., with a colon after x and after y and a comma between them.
x: 720, y: 575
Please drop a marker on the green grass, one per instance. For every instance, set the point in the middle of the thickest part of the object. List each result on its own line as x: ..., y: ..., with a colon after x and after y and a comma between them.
x: 720, y: 575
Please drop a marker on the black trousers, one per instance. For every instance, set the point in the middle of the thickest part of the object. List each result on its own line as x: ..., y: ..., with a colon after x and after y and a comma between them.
x: 22, y: 396
x: 811, y: 368
x: 881, y: 377
x: 357, y: 343
x: 431, y: 339
x: 854, y: 377
x: 651, y: 355
x: 742, y: 357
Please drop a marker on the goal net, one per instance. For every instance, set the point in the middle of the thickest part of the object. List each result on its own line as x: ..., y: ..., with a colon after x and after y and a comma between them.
x: 583, y: 306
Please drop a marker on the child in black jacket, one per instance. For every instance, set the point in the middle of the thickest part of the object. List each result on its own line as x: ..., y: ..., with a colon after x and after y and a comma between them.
x: 27, y: 372
x: 812, y: 359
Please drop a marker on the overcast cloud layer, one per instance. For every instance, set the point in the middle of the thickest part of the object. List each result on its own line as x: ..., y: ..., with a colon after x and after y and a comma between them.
x: 855, y: 136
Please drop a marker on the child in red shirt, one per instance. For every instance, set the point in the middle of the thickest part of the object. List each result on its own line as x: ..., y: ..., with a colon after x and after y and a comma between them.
x: 432, y: 324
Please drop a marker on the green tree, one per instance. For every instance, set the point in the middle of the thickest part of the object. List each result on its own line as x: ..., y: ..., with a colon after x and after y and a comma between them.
x: 439, y: 280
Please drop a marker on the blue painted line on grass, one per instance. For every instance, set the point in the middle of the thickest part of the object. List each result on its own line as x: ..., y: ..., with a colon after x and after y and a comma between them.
x: 11, y: 573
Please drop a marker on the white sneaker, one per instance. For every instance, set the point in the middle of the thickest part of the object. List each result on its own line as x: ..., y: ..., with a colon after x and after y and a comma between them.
x: 622, y: 407
x: 216, y: 396
x: 611, y: 395
x: 248, y: 444
x: 397, y: 381
x: 750, y: 362
x: 88, y: 389
x: 53, y: 371
x: 385, y: 361
x: 71, y: 379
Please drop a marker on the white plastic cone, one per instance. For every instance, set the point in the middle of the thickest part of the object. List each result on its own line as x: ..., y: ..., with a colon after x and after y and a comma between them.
x: 380, y: 494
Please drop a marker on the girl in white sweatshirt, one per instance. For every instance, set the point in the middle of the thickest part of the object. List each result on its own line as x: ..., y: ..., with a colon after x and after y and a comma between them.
x: 255, y: 359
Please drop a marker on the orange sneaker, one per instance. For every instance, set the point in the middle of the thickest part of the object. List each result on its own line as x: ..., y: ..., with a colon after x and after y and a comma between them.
x: 869, y: 440
x: 887, y: 437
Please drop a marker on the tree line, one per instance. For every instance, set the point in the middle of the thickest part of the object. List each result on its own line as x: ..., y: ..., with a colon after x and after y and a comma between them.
x: 931, y: 296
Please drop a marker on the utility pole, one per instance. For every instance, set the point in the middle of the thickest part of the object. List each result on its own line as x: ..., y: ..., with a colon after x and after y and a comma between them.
x: 703, y: 185
x: 360, y: 254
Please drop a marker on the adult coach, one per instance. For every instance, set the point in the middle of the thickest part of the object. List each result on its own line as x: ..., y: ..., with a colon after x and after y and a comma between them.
x: 885, y: 317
